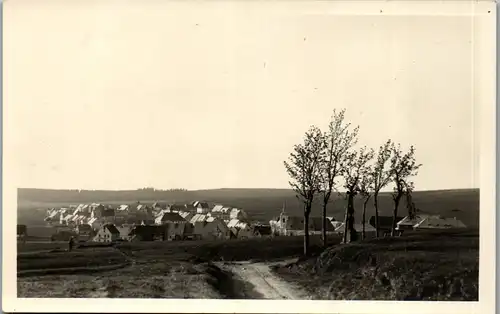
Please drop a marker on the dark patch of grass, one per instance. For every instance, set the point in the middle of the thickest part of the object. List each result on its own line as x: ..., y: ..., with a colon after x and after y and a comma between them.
x: 64, y: 259
x: 228, y: 250
x: 438, y: 265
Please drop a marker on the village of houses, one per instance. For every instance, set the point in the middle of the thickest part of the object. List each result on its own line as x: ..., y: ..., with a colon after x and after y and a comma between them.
x: 200, y: 220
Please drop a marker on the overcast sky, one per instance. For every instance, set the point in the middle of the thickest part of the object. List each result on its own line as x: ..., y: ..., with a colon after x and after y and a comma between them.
x: 111, y: 95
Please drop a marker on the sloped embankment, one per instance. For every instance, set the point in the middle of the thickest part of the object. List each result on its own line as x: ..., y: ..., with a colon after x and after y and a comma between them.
x: 440, y: 266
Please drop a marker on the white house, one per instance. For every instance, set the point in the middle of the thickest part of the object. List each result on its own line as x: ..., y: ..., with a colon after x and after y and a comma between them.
x: 107, y: 233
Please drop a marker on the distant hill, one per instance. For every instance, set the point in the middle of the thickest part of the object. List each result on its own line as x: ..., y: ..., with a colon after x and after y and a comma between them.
x: 261, y: 204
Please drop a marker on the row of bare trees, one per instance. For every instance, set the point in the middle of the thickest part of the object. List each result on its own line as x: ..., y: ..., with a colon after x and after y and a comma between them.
x: 328, y: 162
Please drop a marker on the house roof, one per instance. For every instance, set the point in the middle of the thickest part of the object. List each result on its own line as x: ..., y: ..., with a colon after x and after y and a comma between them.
x: 198, y: 218
x: 123, y: 207
x: 111, y: 228
x: 170, y: 217
x: 411, y: 222
x: 217, y: 208
x: 184, y: 215
x: 203, y: 205
x: 437, y: 222
x: 235, y: 223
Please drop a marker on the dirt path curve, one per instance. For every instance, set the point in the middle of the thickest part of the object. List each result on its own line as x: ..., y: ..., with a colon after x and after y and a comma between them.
x: 264, y: 282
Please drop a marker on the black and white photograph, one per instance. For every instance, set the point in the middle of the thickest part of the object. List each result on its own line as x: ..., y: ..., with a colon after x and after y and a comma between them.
x: 249, y: 150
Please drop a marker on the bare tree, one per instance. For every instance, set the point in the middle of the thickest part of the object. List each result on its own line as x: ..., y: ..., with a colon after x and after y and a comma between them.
x: 365, y: 190
x: 338, y: 140
x: 381, y: 174
x: 354, y: 168
x: 403, y: 167
x: 305, y: 177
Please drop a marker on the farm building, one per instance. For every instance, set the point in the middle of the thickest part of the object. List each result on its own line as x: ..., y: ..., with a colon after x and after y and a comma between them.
x: 294, y: 225
x: 240, y: 229
x: 174, y: 224
x: 262, y: 231
x: 219, y: 211
x: 125, y: 231
x: 358, y: 227
x: 147, y: 233
x: 439, y: 222
x: 186, y: 215
x: 385, y: 222
x: 207, y: 227
x: 107, y: 233
x: 201, y: 207
x: 94, y: 223
x: 237, y: 213
x: 123, y: 208
x: 65, y: 235
x: 407, y: 224
x: 85, y: 232
x: 83, y: 228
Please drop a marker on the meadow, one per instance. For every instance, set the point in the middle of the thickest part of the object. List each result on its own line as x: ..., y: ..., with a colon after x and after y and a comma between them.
x: 439, y: 265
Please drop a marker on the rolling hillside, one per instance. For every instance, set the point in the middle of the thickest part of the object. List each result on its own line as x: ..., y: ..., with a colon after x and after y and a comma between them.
x: 261, y: 204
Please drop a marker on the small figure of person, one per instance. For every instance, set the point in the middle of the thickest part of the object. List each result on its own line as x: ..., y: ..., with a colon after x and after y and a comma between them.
x: 71, y: 244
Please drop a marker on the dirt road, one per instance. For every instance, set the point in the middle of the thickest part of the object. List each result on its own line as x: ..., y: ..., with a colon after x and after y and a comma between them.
x: 264, y: 283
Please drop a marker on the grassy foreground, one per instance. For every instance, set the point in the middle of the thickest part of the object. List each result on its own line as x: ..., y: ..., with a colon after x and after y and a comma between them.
x: 439, y: 265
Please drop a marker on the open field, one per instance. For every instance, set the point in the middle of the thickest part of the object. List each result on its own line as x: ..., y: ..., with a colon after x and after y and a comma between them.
x: 147, y: 269
x: 440, y: 265
x: 260, y: 204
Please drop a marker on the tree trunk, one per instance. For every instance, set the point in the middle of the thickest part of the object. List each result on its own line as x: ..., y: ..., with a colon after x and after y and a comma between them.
x: 346, y: 223
x: 350, y: 210
x: 325, y: 242
x: 375, y: 204
x: 395, y: 214
x: 306, y: 230
x: 363, y: 234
